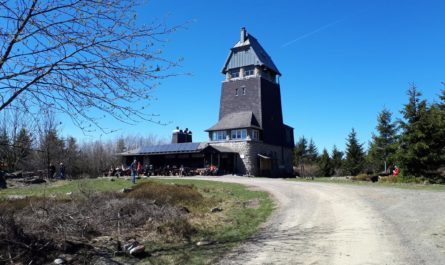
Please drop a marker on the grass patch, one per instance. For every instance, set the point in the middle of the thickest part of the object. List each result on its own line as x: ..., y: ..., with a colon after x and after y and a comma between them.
x: 400, y: 185
x: 61, y: 187
x: 171, y: 237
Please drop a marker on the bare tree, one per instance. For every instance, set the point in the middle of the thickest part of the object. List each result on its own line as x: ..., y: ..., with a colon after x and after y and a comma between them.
x: 85, y: 58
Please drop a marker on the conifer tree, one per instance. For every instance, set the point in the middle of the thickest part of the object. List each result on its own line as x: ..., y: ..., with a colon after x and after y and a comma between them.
x: 5, y: 149
x: 442, y: 98
x: 337, y: 160
x: 22, y: 148
x: 355, y: 156
x: 325, y: 164
x: 412, y: 143
x: 300, y: 151
x: 384, y: 144
x: 312, y: 152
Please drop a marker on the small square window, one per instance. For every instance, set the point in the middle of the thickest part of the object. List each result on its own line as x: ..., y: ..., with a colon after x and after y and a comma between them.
x: 255, y: 135
x: 249, y: 71
x: 234, y: 73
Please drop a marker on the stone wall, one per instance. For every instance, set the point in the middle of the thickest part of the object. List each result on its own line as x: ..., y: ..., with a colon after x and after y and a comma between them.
x: 247, y: 159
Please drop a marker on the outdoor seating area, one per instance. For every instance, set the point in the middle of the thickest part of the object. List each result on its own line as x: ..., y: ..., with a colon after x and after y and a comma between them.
x: 149, y: 170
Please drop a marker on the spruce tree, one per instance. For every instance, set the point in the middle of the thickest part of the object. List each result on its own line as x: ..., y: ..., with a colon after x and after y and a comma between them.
x: 5, y: 149
x: 22, y: 149
x: 312, y: 152
x: 412, y: 141
x: 337, y: 160
x: 300, y: 151
x: 384, y: 144
x: 325, y: 164
x: 355, y: 156
x: 442, y: 99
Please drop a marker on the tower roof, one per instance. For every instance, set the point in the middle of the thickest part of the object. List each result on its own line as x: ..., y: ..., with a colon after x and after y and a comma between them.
x: 248, y: 52
x: 243, y: 119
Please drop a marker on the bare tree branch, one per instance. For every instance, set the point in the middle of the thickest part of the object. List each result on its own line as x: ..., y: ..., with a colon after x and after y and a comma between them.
x: 84, y: 58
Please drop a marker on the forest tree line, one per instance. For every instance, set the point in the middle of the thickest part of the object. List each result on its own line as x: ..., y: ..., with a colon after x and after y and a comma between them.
x: 415, y: 143
x: 30, y: 145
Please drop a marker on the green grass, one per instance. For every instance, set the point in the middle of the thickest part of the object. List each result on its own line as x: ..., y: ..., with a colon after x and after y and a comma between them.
x: 228, y: 228
x: 411, y: 186
x: 62, y: 187
x: 243, y: 213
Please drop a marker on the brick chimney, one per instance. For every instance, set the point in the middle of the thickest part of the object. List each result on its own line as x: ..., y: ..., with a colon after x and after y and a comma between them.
x: 180, y: 136
x: 243, y: 35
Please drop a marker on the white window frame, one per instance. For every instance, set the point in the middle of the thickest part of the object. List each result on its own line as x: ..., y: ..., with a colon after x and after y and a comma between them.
x: 249, y: 72
x: 238, y: 134
x: 219, y: 135
x: 255, y: 135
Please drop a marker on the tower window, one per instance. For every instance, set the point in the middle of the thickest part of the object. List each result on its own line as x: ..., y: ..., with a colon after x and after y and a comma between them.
x: 236, y: 92
x: 219, y: 135
x: 244, y: 90
x: 249, y: 70
x: 234, y: 73
x: 255, y: 135
x: 239, y: 134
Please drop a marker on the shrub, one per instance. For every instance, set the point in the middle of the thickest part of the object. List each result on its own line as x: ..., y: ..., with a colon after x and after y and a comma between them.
x: 167, y: 193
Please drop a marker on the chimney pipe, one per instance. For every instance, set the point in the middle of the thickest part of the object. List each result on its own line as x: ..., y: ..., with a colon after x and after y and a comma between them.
x: 243, y: 35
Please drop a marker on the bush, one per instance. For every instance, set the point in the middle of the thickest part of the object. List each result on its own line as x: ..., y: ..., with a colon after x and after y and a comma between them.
x: 49, y: 224
x: 167, y: 193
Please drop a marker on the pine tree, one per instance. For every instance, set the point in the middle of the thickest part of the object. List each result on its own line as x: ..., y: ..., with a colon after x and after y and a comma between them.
x: 300, y: 151
x: 355, y: 156
x: 312, y: 152
x: 72, y: 157
x: 22, y: 149
x: 52, y: 147
x: 5, y: 149
x: 337, y: 160
x: 412, y: 140
x: 383, y: 145
x: 325, y: 164
x: 442, y: 99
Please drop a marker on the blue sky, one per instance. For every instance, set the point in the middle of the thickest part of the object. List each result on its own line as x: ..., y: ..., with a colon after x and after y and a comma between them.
x: 342, y: 62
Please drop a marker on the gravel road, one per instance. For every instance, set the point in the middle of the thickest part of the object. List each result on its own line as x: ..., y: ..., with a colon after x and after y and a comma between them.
x: 323, y: 223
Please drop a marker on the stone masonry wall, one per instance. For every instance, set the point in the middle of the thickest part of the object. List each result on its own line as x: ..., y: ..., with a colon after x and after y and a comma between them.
x: 247, y: 158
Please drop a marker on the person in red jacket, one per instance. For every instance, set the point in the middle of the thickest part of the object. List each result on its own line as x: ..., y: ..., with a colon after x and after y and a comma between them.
x: 395, y: 172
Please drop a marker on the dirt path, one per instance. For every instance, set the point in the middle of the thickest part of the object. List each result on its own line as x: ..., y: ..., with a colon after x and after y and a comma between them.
x: 322, y: 223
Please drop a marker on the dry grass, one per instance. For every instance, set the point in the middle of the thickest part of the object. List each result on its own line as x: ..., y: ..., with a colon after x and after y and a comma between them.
x: 167, y: 216
x: 37, y: 224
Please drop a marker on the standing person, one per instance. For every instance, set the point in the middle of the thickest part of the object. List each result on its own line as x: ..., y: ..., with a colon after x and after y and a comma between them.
x: 396, y: 170
x: 62, y: 171
x: 134, y: 171
x: 52, y: 170
x: 181, y: 171
x: 139, y: 168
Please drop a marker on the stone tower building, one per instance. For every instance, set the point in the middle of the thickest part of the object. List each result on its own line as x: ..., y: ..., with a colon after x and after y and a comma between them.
x: 250, y: 115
